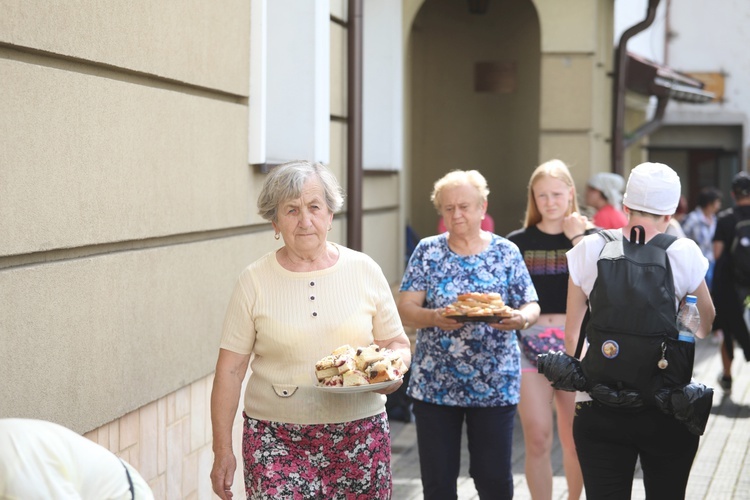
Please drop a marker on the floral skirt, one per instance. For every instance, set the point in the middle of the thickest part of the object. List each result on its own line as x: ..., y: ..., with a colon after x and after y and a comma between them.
x: 349, y: 460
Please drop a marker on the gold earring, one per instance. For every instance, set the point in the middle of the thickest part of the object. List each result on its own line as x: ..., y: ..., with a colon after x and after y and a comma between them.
x: 330, y: 227
x: 276, y: 236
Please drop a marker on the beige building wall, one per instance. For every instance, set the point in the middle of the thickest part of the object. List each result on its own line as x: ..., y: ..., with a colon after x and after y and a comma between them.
x: 124, y: 191
x: 576, y: 100
x: 126, y: 214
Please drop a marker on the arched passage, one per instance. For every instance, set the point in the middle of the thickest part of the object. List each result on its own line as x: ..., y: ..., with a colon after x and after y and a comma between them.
x: 473, y: 102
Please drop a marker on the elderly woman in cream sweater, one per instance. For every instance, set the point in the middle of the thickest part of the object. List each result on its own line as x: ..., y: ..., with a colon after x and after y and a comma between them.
x: 290, y: 308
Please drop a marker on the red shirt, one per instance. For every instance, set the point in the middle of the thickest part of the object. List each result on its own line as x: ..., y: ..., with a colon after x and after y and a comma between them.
x: 610, y: 218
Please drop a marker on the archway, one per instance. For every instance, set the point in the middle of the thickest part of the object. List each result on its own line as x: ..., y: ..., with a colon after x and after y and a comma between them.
x: 473, y: 102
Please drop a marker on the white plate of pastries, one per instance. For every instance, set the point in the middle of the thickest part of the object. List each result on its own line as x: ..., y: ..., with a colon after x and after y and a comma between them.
x: 362, y: 369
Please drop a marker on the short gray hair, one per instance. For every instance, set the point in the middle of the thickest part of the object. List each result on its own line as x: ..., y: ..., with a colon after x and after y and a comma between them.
x: 460, y: 178
x: 285, y: 182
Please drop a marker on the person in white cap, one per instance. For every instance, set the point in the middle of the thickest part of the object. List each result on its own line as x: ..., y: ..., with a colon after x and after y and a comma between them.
x: 609, y: 440
x: 604, y: 194
x: 41, y: 459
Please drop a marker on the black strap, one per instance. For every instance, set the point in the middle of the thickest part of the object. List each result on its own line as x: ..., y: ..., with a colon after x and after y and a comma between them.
x: 130, y: 480
x: 608, y: 235
x: 638, y: 235
x: 662, y: 240
x: 582, y: 333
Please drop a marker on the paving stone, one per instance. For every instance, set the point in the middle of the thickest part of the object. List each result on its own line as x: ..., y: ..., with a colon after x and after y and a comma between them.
x: 721, y: 470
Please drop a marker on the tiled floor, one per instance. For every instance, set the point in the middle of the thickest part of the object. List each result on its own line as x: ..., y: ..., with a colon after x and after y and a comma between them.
x: 721, y: 470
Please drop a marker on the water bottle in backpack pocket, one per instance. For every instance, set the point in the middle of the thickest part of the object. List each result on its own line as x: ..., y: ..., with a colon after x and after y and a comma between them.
x: 688, y: 320
x: 680, y: 353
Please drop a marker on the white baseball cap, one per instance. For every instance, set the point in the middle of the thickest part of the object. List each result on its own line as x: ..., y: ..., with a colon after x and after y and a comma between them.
x: 653, y: 188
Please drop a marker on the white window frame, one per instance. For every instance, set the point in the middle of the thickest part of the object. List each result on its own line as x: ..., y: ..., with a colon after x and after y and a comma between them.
x: 289, y: 105
x: 382, y: 88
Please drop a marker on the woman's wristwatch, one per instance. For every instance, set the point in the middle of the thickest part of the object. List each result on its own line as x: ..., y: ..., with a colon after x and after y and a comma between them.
x: 525, y: 320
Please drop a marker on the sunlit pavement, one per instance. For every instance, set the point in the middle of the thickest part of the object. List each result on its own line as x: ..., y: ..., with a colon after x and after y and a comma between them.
x: 721, y: 470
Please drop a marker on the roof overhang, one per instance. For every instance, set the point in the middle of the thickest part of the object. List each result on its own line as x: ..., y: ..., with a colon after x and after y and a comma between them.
x: 649, y: 78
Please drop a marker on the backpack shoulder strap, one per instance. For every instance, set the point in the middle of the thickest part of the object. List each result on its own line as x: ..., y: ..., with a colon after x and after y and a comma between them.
x: 662, y: 240
x: 609, y: 235
x: 738, y: 228
x: 582, y: 333
x: 740, y: 224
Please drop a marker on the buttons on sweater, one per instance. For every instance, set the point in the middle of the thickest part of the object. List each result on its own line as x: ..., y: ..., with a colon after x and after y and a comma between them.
x: 311, y: 284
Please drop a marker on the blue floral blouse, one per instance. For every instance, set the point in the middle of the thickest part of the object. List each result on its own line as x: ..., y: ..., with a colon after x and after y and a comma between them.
x: 475, y: 365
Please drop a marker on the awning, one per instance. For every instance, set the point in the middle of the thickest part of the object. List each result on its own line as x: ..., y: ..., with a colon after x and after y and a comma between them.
x: 649, y: 78
x: 666, y: 84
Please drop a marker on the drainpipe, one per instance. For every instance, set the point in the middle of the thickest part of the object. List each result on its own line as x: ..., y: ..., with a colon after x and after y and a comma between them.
x: 354, y: 127
x: 618, y: 113
x: 667, y: 31
x: 648, y: 127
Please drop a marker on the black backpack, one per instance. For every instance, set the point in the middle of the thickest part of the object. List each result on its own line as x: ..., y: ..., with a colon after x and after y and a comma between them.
x: 631, y: 327
x: 740, y: 252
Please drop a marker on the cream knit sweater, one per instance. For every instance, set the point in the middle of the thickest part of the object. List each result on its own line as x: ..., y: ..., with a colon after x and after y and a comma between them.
x: 289, y: 320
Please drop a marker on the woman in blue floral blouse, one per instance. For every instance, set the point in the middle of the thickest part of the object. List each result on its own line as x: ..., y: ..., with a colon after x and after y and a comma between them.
x: 465, y: 371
